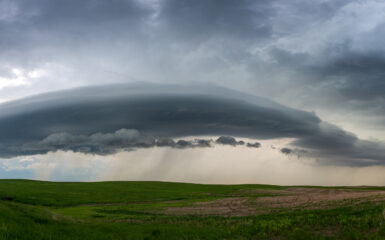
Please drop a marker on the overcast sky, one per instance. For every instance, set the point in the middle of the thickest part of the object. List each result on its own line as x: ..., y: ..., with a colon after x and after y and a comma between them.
x: 290, y: 85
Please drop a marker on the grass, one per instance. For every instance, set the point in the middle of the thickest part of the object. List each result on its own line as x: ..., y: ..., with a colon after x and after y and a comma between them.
x: 134, y: 210
x: 75, y: 193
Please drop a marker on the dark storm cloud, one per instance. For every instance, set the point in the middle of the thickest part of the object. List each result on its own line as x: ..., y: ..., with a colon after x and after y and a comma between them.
x: 70, y: 37
x: 333, y: 145
x: 227, y: 140
x: 340, y: 78
x: 202, y: 19
x: 286, y: 151
x: 165, y: 142
x: 99, y: 143
x: 58, y: 28
x: 96, y: 119
x: 254, y: 145
x: 193, y: 39
x: 159, y: 110
x: 183, y: 144
x: 353, y: 75
x: 107, y: 119
x: 309, y: 54
x: 105, y: 143
x: 203, y: 142
x: 70, y: 16
x: 160, y: 35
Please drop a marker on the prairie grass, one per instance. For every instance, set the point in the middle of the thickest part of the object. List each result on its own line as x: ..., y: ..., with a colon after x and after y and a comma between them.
x: 134, y: 210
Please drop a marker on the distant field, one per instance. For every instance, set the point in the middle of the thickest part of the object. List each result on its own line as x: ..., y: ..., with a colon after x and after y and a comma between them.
x: 161, y: 210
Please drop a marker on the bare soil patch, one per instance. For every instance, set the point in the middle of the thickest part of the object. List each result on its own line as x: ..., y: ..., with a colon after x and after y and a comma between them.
x: 291, y: 198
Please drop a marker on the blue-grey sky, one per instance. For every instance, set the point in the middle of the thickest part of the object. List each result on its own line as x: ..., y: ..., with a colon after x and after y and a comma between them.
x: 176, y: 75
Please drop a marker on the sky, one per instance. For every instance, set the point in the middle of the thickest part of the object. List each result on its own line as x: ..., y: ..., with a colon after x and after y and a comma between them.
x: 231, y: 91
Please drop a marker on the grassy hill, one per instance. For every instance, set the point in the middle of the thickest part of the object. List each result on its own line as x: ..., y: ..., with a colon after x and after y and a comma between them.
x: 161, y: 210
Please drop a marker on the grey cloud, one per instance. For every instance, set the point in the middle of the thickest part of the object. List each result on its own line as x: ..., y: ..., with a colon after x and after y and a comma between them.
x: 286, y: 151
x: 131, y: 36
x: 182, y: 40
x: 98, y: 143
x: 343, y: 70
x: 70, y: 16
x: 356, y: 76
x: 332, y: 145
x: 75, y: 27
x: 165, y: 142
x: 203, y: 142
x: 227, y: 140
x: 158, y: 113
x: 351, y: 80
x: 106, y: 143
x: 72, y: 119
x: 253, y: 42
x: 254, y: 145
x: 201, y: 19
x: 328, y: 137
x: 299, y: 153
x: 352, y: 75
x: 183, y: 144
x: 152, y: 109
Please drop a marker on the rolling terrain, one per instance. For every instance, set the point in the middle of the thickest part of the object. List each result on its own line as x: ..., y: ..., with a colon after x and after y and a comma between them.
x: 162, y: 210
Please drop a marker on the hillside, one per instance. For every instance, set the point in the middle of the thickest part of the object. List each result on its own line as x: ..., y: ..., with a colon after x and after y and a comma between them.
x: 161, y: 210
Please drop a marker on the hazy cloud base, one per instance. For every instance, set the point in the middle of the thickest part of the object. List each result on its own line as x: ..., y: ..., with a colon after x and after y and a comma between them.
x: 221, y: 165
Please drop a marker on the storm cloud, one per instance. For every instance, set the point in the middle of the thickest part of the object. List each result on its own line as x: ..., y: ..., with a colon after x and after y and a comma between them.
x: 286, y: 151
x: 107, y: 143
x: 254, y: 145
x: 295, y: 52
x: 107, y: 119
x: 226, y: 140
x: 324, y: 60
x: 143, y: 115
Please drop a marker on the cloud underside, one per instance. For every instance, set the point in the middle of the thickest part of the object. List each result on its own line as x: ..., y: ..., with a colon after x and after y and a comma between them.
x: 121, y: 140
x: 107, y: 119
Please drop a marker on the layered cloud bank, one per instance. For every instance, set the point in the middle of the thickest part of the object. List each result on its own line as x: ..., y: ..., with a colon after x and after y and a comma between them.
x: 107, y: 119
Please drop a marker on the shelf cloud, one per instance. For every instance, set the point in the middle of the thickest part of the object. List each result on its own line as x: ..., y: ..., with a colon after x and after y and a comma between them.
x: 298, y: 80
x: 106, y: 119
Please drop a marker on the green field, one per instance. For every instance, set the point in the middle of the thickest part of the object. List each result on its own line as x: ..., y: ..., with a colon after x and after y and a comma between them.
x: 160, y: 210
